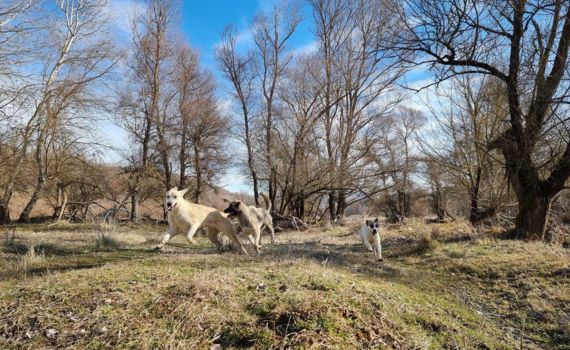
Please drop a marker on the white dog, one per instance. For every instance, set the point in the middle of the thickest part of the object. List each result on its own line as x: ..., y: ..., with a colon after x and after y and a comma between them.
x: 369, y: 233
x: 252, y: 218
x: 185, y: 217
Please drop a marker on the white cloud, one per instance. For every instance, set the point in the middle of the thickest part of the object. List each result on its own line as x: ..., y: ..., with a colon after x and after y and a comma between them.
x: 306, y: 49
x: 245, y: 37
x: 235, y: 182
x: 122, y: 12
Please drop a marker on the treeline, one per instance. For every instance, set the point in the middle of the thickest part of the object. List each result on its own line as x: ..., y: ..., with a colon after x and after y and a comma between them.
x: 324, y: 130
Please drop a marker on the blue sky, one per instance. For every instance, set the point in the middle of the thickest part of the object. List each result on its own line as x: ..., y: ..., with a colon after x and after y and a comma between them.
x: 203, y: 22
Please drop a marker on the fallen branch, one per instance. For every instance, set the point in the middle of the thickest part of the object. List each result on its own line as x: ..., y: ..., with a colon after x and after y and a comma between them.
x: 289, y: 222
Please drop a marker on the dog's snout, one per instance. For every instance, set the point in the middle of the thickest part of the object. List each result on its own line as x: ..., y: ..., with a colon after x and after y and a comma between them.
x: 168, y: 204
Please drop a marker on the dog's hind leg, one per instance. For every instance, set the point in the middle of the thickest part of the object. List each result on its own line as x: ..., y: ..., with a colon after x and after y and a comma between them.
x: 272, y: 232
x: 213, y: 236
x: 257, y: 244
x: 230, y: 233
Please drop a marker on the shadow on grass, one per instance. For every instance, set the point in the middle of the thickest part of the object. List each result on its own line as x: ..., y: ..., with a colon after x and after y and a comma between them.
x: 354, y: 258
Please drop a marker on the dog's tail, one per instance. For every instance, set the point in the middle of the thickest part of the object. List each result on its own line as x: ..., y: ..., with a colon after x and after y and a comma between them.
x: 267, y: 201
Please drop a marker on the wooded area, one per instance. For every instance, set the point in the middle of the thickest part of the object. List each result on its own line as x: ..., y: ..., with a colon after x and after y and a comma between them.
x: 327, y: 132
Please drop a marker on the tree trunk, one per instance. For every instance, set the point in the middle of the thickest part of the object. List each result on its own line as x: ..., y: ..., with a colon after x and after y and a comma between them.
x: 532, y: 217
x: 61, y: 202
x: 332, y: 206
x: 25, y: 216
x: 182, y: 153
x: 4, y: 210
x: 255, y: 187
x: 474, y: 208
x: 534, y: 196
x: 341, y: 204
x: 42, y: 175
x: 438, y: 203
x: 198, y: 169
x: 134, y: 207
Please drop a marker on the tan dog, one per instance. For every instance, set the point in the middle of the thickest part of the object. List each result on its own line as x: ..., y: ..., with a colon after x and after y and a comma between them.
x: 185, y: 217
x: 252, y: 218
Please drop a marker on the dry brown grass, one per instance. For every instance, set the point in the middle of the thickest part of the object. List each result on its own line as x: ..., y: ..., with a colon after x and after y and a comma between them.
x: 315, y: 289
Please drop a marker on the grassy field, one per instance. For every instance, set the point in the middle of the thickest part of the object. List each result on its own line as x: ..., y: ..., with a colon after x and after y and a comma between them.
x: 440, y: 287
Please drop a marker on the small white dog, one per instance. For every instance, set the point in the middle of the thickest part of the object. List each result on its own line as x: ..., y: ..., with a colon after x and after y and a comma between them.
x: 185, y: 217
x: 369, y: 233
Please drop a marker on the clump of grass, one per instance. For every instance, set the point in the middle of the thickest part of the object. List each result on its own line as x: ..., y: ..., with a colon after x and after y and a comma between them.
x: 325, y: 223
x: 33, y: 256
x: 105, y: 242
x: 435, y: 233
x: 9, y: 237
x: 11, y: 245
x: 427, y: 242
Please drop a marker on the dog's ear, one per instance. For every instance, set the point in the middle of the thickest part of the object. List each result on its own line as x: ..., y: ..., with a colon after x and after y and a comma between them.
x: 376, y: 220
x: 226, y: 200
x: 238, y: 203
x: 367, y: 222
x: 183, y: 192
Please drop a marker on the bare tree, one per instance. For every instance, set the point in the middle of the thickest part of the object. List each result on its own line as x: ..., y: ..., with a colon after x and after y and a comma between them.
x: 207, y: 136
x: 76, y: 59
x: 187, y: 82
x: 333, y: 28
x: 150, y: 98
x: 470, y: 116
x: 271, y: 34
x: 352, y: 37
x: 238, y: 69
x: 524, y: 44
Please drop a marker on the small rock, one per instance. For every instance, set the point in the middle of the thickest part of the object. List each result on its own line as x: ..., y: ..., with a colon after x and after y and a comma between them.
x: 260, y: 287
x: 103, y: 329
x: 29, y: 334
x: 51, y: 333
x: 71, y: 316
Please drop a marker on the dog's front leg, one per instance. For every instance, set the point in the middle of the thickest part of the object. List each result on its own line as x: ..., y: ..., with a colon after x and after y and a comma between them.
x: 367, y: 245
x: 191, y: 232
x: 166, y: 238
x: 378, y: 246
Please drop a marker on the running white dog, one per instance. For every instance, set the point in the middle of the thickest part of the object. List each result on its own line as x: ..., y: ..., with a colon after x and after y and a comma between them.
x: 369, y: 233
x: 185, y: 217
